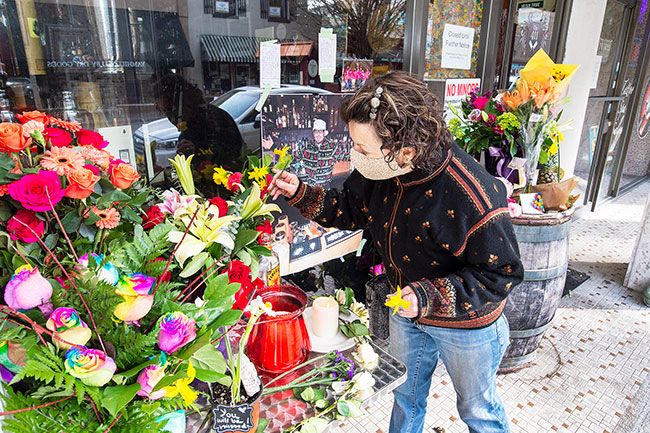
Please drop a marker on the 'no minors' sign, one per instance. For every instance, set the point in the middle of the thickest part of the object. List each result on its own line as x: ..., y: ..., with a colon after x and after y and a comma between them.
x: 456, y: 91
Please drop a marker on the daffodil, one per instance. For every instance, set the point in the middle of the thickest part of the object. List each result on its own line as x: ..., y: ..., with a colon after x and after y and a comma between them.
x: 284, y: 158
x: 182, y: 387
x: 254, y: 206
x: 220, y: 176
x: 396, y: 302
x: 282, y: 153
x: 258, y: 173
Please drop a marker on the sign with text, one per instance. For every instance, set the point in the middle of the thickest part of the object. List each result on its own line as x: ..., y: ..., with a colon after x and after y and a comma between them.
x: 456, y: 91
x: 457, y: 43
x: 232, y: 418
x: 270, y: 69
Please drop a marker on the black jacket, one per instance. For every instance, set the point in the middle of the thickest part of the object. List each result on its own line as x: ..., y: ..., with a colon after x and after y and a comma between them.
x: 447, y: 234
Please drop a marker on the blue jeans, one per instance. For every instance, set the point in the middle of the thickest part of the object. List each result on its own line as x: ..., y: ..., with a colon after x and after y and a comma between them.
x: 471, y: 357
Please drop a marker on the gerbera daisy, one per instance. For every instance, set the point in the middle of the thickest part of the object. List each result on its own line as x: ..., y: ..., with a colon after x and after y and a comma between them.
x: 61, y: 160
x: 108, y: 218
x: 99, y: 157
x: 70, y: 126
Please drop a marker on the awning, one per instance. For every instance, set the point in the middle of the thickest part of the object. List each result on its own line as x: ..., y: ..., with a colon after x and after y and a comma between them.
x: 293, y: 49
x: 229, y: 49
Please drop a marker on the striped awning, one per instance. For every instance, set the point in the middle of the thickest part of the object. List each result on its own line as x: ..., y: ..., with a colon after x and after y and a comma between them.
x: 229, y: 49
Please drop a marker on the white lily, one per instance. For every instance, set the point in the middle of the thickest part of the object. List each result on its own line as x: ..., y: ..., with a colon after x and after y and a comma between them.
x: 254, y: 206
x: 206, y: 229
x: 183, y: 169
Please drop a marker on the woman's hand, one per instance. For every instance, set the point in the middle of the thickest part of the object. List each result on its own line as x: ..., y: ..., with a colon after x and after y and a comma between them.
x: 412, y: 311
x: 283, y: 183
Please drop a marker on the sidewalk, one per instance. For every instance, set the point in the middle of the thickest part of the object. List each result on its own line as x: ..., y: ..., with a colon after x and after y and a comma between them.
x: 592, y: 370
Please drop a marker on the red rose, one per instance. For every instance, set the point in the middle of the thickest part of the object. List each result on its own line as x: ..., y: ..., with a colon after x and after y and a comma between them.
x: 33, y: 115
x: 152, y: 218
x: 238, y: 272
x: 25, y: 226
x: 265, y: 227
x: 481, y: 102
x: 221, y: 204
x: 36, y: 191
x: 57, y: 137
x: 86, y: 137
x: 234, y: 182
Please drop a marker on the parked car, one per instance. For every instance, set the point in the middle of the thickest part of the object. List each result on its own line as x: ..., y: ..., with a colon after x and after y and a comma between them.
x: 239, y: 103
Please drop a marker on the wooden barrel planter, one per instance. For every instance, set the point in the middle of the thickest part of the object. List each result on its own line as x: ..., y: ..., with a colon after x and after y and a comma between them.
x: 544, y: 246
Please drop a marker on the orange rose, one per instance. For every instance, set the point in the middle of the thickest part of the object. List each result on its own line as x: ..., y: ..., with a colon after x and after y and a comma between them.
x: 123, y: 175
x: 82, y: 182
x: 12, y: 139
x: 34, y: 115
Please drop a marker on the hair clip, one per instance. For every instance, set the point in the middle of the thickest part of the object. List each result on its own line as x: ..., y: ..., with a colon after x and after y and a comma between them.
x: 374, y: 103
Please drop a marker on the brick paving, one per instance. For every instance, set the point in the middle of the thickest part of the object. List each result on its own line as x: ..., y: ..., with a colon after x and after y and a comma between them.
x: 592, y: 371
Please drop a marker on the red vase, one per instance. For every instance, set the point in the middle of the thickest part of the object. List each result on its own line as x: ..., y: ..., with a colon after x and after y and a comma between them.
x: 280, y: 342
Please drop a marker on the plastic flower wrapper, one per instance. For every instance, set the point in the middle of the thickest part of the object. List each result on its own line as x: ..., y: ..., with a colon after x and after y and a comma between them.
x: 542, y: 69
x: 68, y: 328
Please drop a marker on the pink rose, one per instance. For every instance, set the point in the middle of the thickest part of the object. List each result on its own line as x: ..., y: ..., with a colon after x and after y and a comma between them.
x: 36, y: 191
x: 25, y: 227
x: 86, y: 137
x: 27, y: 289
x: 148, y: 379
x: 176, y: 330
x: 481, y: 102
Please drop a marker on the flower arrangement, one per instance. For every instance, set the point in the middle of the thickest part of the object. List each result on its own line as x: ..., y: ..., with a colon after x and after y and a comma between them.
x: 521, y: 123
x: 98, y: 329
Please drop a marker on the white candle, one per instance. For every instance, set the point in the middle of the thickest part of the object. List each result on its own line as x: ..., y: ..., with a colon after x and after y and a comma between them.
x: 325, y: 317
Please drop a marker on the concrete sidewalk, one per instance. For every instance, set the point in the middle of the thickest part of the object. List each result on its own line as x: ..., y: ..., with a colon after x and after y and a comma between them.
x: 591, y: 374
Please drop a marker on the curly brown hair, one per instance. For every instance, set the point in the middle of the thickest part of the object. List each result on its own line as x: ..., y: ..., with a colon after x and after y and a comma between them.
x: 409, y: 115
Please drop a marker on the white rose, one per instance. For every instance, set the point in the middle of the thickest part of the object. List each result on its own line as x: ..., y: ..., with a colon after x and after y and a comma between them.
x: 363, y: 383
x: 339, y: 387
x: 366, y: 356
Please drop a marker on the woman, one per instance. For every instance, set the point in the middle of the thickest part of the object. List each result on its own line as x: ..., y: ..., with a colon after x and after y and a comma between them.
x: 441, y: 225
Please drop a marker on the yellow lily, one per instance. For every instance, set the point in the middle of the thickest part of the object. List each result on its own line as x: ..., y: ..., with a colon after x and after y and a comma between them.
x: 396, y: 302
x: 182, y: 387
x: 254, y: 206
x: 183, y: 169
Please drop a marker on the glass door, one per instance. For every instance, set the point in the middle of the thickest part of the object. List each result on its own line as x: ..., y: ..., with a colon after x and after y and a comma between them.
x: 607, y: 105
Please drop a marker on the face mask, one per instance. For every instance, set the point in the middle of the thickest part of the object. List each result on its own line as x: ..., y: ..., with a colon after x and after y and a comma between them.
x: 376, y: 168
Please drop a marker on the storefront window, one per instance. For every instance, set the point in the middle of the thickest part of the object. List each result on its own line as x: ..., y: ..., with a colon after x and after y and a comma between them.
x: 139, y: 69
x: 453, y: 35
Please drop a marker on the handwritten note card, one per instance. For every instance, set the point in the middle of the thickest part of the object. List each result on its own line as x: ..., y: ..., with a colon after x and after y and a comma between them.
x: 326, y: 55
x: 270, y: 64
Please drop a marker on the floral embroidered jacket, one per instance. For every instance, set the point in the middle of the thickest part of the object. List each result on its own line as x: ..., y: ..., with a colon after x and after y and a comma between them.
x: 445, y: 233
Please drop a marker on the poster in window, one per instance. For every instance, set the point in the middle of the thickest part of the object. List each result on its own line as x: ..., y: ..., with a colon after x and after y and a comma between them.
x: 534, y: 32
x: 318, y: 140
x: 221, y: 7
x: 355, y: 74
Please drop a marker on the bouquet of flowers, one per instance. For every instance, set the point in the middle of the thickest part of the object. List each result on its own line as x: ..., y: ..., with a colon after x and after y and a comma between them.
x: 521, y: 123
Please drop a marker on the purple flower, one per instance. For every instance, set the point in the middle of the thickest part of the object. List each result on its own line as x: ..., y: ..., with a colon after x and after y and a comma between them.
x: 176, y: 330
x: 27, y: 289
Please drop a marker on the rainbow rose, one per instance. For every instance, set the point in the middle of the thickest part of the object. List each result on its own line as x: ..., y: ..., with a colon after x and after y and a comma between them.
x: 176, y: 330
x: 108, y: 272
x: 137, y: 292
x: 93, y: 367
x: 148, y: 379
x: 27, y: 289
x: 68, y: 328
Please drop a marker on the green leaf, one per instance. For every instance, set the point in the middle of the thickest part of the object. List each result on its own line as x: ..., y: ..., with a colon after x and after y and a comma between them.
x: 227, y: 318
x: 71, y: 222
x: 139, y: 199
x: 308, y: 394
x: 314, y: 425
x: 118, y: 377
x: 130, y: 215
x: 245, y: 237
x: 117, y: 397
x: 202, y: 340
x: 210, y: 376
x: 321, y: 404
x: 245, y: 257
x: 215, y: 287
x: 51, y: 240
x: 87, y: 231
x: 209, y: 358
x: 109, y: 198
x: 195, y: 265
